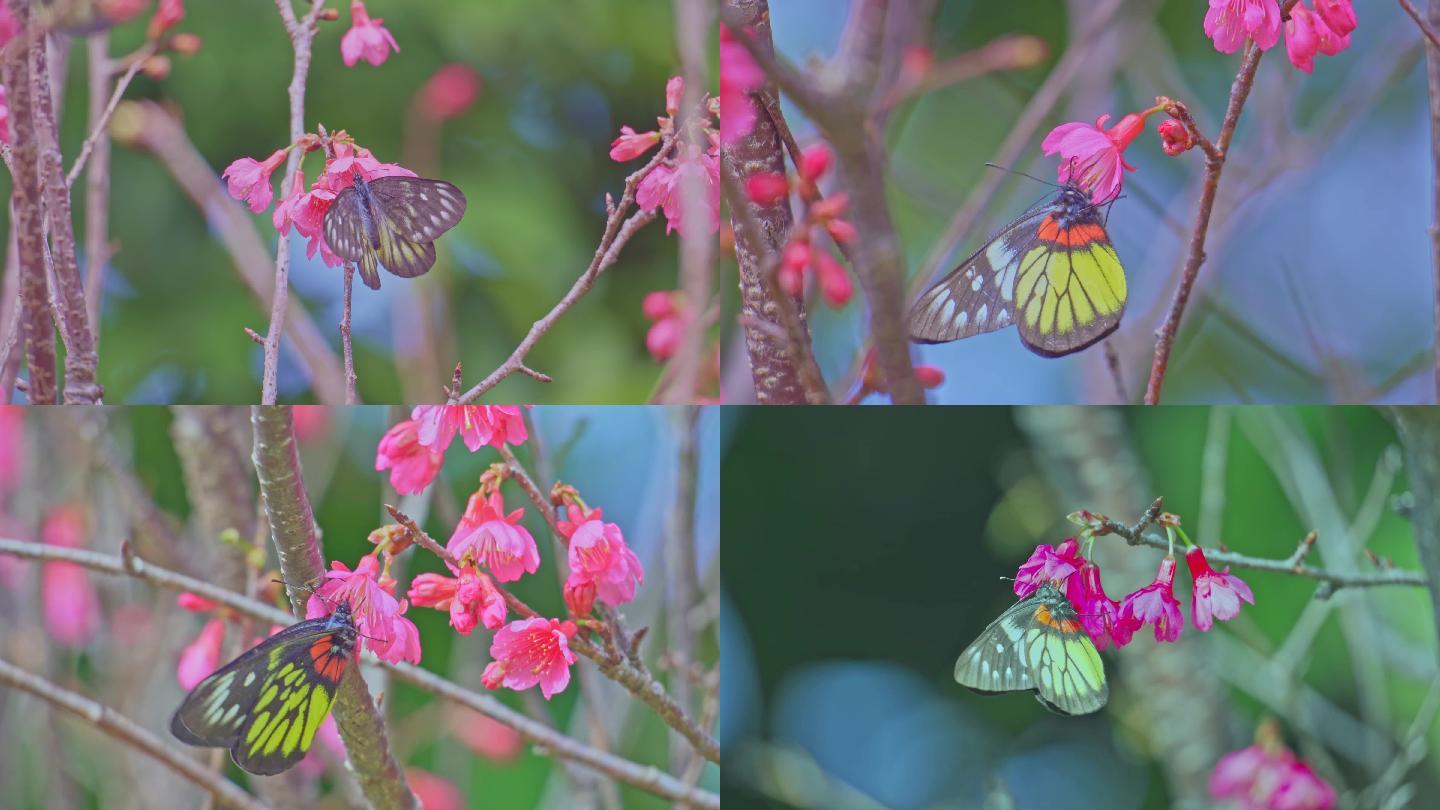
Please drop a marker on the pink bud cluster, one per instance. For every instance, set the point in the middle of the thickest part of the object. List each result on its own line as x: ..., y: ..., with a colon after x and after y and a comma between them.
x: 801, y: 254
x: 1323, y: 27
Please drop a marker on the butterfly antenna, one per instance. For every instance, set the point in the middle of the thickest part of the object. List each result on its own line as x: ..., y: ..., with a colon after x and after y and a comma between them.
x: 1022, y: 174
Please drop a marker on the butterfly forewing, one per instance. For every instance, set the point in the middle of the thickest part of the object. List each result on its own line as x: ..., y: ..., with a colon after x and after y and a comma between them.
x: 420, y: 209
x: 266, y: 705
x: 405, y: 216
x: 1038, y: 645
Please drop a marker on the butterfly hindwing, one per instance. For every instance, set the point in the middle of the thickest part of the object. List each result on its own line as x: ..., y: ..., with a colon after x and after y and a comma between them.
x: 1052, y: 272
x: 1038, y: 645
x: 266, y: 705
x: 347, y: 236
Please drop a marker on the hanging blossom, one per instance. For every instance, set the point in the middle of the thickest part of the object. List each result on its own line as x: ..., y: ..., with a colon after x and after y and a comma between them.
x: 739, y: 77
x: 448, y: 93
x: 471, y: 598
x: 377, y: 614
x: 1048, y: 563
x: 529, y: 652
x: 477, y: 425
x: 602, y: 566
x: 494, y: 539
x: 1268, y: 776
x: 248, y: 180
x: 668, y: 315
x: 695, y: 160
x: 72, y: 607
x: 367, y: 39
x: 1217, y: 594
x: 1098, y: 612
x: 412, y: 465
x: 1154, y: 604
x: 801, y: 252
x: 1325, y: 28
x: 1092, y: 155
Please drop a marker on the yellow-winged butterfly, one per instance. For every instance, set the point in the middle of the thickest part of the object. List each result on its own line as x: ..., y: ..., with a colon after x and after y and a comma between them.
x: 392, y: 221
x: 1038, y: 645
x: 1052, y: 272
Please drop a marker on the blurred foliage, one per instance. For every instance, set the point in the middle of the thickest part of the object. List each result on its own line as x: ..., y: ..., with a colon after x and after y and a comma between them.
x: 1331, y: 171
x: 559, y: 79
x: 131, y: 665
x: 865, y: 551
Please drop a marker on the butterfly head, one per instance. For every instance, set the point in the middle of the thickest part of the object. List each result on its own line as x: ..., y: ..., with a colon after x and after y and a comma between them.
x: 1072, y: 205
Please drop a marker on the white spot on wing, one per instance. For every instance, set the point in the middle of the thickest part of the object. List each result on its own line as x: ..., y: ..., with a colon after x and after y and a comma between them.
x: 982, y: 315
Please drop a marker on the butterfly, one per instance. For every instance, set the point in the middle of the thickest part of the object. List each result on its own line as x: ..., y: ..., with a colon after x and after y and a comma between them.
x: 1038, y: 645
x: 266, y: 705
x: 1052, y: 272
x: 393, y: 221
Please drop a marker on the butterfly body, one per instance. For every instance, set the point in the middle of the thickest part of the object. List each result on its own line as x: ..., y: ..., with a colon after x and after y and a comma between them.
x: 1052, y: 273
x: 392, y: 222
x: 267, y: 704
x: 1038, y: 645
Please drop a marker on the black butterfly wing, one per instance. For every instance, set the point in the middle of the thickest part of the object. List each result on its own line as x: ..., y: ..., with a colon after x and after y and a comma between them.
x: 346, y: 236
x: 419, y: 209
x: 267, y: 704
x: 978, y: 296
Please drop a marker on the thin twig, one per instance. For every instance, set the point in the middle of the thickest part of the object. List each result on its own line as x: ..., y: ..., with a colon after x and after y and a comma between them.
x: 1136, y: 536
x: 1432, y: 73
x: 644, y: 777
x: 99, y: 125
x: 134, y: 736
x: 349, y: 288
x: 1420, y: 22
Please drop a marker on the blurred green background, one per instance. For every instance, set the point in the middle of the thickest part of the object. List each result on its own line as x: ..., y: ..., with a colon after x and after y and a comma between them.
x: 559, y: 79
x: 864, y: 551
x: 623, y: 460
x: 1318, y: 278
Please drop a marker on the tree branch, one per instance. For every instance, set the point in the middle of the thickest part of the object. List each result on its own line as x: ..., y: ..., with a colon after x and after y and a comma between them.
x: 1432, y: 73
x: 134, y: 736
x: 1419, y: 432
x: 292, y: 527
x: 128, y: 564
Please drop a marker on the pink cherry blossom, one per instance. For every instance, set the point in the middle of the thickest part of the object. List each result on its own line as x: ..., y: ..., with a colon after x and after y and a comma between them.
x: 529, y: 652
x: 249, y: 180
x: 168, y: 14
x: 598, y: 555
x: 1268, y: 776
x: 1153, y: 604
x: 196, y: 603
x: 579, y: 595
x: 1217, y: 594
x: 1302, y: 39
x: 478, y: 425
x: 72, y: 607
x: 664, y: 188
x: 367, y: 39
x: 377, y: 614
x: 1048, y: 563
x: 632, y: 144
x: 1098, y: 612
x: 1339, y: 15
x: 667, y: 310
x: 1092, y: 155
x: 739, y: 77
x: 471, y: 599
x: 492, y: 538
x: 412, y: 465
x: 1230, y: 22
x: 449, y: 92
x: 201, y: 656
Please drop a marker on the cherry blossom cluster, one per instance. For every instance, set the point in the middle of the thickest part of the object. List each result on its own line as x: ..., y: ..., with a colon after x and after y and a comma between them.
x: 1215, y: 594
x: 820, y: 214
x: 1269, y: 776
x: 248, y: 180
x: 1323, y: 29
x: 696, y: 155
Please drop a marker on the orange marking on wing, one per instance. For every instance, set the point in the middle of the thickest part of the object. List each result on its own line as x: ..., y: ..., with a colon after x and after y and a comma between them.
x: 1067, y: 626
x: 1074, y: 236
x: 1042, y: 615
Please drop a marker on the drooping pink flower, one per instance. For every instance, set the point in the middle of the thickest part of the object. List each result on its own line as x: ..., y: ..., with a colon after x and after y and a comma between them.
x: 449, y: 92
x: 579, y: 595
x: 472, y: 598
x: 1339, y: 15
x: 195, y: 603
x: 72, y: 607
x: 598, y: 554
x: 1268, y: 776
x: 667, y: 309
x: 249, y: 180
x: 1302, y: 39
x: 378, y: 616
x: 1098, y: 612
x: 367, y: 39
x: 664, y: 188
x: 1217, y: 594
x: 412, y: 465
x: 494, y: 539
x: 1229, y: 22
x: 1092, y: 155
x: 1153, y: 604
x: 478, y: 425
x: 1174, y: 137
x: 529, y: 652
x: 1048, y: 563
x: 739, y: 77
x: 201, y: 656
x: 489, y: 738
x: 632, y: 144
